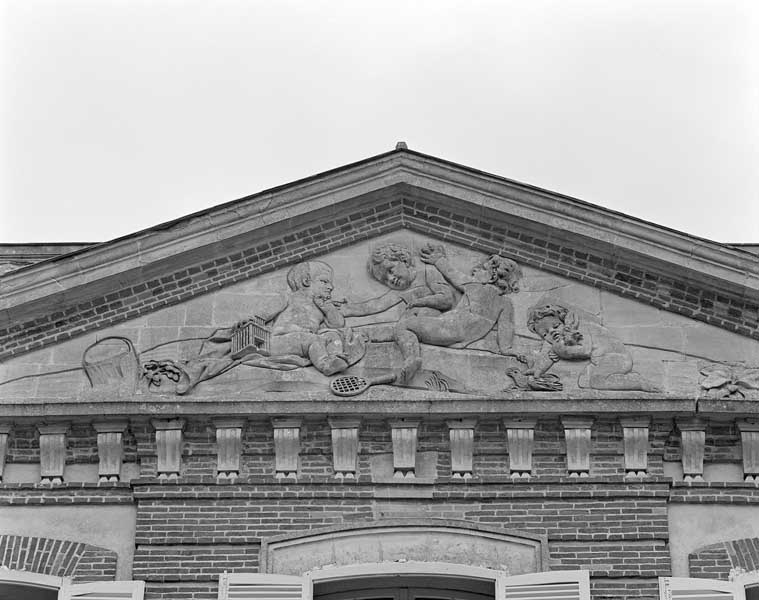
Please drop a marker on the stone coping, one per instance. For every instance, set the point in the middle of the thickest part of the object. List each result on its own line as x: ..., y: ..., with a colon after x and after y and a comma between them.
x: 430, y: 404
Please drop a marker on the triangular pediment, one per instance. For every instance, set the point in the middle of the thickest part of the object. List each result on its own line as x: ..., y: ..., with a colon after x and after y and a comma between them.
x: 467, y: 338
x: 102, y: 286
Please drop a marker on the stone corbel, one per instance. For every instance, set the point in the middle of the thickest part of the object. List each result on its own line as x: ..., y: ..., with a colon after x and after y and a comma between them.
x: 692, y: 442
x: 749, y: 429
x: 404, y: 435
x: 5, y: 432
x: 462, y: 447
x: 520, y: 435
x: 286, y: 446
x: 228, y: 447
x: 168, y: 440
x: 344, y: 446
x: 635, y: 439
x: 110, y: 448
x: 577, y: 433
x: 52, y: 452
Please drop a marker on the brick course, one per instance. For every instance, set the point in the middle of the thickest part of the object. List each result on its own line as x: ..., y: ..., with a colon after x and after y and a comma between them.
x: 581, y: 259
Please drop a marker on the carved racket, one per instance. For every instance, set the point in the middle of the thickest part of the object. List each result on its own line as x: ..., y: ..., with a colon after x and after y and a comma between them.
x: 352, y: 385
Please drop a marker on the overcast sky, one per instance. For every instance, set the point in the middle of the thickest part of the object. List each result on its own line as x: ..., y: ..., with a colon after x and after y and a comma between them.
x: 118, y: 115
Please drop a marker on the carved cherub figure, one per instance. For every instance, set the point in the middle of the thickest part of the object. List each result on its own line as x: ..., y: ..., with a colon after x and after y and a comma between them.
x: 311, y: 324
x: 306, y: 328
x: 566, y: 338
x: 424, y: 293
x: 484, y: 305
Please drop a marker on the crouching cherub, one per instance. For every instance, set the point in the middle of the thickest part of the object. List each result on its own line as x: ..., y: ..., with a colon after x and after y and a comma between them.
x: 565, y: 337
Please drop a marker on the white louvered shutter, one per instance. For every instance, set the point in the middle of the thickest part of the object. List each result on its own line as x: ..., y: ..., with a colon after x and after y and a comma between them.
x: 690, y: 588
x: 243, y: 586
x: 556, y: 585
x: 103, y: 590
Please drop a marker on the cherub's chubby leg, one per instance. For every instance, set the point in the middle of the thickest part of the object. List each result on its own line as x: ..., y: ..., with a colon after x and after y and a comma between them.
x: 326, y: 353
x: 430, y: 330
x: 613, y: 371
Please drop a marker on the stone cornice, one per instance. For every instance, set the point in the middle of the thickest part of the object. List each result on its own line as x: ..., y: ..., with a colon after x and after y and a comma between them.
x: 672, y: 251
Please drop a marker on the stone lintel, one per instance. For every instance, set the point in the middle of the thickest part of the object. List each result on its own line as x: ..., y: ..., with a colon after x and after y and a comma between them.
x: 167, y: 424
x: 344, y: 422
x: 230, y: 422
x: 690, y: 423
x: 54, y: 428
x: 111, y: 426
x: 575, y: 422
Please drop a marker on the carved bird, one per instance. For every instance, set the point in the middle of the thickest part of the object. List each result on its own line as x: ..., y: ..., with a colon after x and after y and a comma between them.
x: 546, y: 383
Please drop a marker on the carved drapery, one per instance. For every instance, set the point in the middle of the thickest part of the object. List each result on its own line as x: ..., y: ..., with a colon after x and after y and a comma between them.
x: 168, y: 438
x: 344, y: 446
x: 462, y: 447
x: 577, y: 433
x: 286, y: 446
x: 52, y: 452
x: 635, y: 440
x: 520, y: 435
x: 404, y: 435
x: 228, y: 447
x: 693, y: 440
x: 110, y: 448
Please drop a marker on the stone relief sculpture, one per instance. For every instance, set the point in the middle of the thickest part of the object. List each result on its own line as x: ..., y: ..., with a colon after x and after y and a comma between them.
x: 484, y: 306
x: 733, y: 382
x: 308, y: 328
x: 440, y: 315
x: 566, y: 337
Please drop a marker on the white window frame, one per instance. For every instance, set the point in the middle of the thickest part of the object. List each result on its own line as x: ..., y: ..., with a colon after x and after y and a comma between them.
x: 694, y: 583
x: 501, y: 580
x: 745, y: 579
x: 38, y: 580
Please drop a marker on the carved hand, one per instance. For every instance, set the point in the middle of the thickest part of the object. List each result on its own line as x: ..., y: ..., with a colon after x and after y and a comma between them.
x: 430, y: 254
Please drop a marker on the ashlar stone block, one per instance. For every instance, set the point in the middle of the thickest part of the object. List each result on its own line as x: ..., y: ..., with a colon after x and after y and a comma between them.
x: 52, y: 452
x: 286, y: 446
x: 168, y: 438
x: 344, y: 446
x: 404, y: 434
x: 228, y: 447
x: 462, y: 447
x: 110, y: 448
x: 692, y: 443
x: 635, y: 440
x: 749, y: 429
x: 520, y: 436
x: 577, y: 433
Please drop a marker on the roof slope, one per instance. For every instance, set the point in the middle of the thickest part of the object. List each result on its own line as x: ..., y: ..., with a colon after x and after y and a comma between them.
x: 107, y: 283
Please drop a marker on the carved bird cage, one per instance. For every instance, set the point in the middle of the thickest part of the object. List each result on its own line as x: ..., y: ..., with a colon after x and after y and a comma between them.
x: 250, y: 337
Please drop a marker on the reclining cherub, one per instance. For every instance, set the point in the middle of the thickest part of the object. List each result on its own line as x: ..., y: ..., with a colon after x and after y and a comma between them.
x: 484, y: 306
x: 566, y: 338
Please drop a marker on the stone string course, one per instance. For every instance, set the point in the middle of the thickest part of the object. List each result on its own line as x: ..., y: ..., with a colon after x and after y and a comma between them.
x: 481, y: 229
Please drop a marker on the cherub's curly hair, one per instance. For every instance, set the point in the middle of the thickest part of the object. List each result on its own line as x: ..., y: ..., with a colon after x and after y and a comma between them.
x: 546, y: 310
x: 505, y: 273
x: 304, y: 270
x: 388, y: 251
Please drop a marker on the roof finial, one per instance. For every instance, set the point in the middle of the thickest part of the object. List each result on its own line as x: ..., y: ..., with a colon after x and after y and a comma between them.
x: 401, y: 146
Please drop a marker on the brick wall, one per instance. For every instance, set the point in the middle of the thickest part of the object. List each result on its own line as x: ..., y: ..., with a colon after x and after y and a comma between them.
x: 60, y: 558
x: 189, y: 275
x: 716, y: 561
